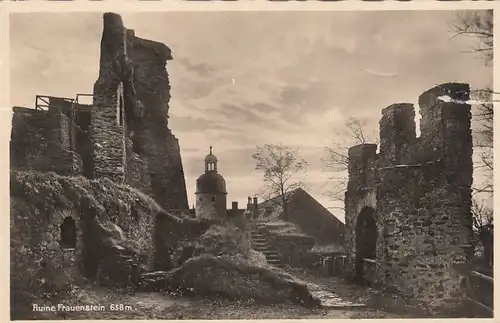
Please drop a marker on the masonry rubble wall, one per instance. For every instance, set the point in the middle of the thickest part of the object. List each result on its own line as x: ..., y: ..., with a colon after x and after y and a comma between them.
x: 134, y: 87
x: 155, y: 143
x: 420, y: 189
x: 104, y: 214
x: 128, y: 139
x: 40, y: 140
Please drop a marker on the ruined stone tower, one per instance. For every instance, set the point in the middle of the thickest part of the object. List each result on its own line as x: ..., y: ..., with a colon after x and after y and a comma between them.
x: 123, y: 135
x: 211, y: 193
x: 130, y: 123
x: 408, y: 213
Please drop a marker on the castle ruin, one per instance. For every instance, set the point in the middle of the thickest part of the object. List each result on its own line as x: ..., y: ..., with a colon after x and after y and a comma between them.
x: 122, y: 135
x: 408, y: 218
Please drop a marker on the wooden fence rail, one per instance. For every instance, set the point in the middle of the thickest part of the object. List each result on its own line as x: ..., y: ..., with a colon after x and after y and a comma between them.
x: 480, y: 290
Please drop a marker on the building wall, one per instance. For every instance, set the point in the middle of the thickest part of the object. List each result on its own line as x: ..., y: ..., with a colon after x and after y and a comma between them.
x: 209, y: 206
x: 107, y: 129
x: 128, y: 139
x: 129, y: 135
x: 38, y: 211
x: 420, y: 189
x: 314, y: 220
x: 40, y: 140
x: 155, y: 144
x: 51, y: 141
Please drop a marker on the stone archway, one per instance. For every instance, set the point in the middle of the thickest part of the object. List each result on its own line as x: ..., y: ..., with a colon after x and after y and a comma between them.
x: 366, y: 239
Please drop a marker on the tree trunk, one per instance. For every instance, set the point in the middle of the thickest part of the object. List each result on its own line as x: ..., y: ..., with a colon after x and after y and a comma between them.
x: 285, y: 211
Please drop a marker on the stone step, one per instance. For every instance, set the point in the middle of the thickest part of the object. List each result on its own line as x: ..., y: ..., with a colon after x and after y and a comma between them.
x: 272, y: 256
x: 276, y: 258
x: 328, y: 299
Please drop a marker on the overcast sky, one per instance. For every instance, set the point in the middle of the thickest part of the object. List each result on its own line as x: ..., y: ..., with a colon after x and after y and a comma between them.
x: 241, y: 79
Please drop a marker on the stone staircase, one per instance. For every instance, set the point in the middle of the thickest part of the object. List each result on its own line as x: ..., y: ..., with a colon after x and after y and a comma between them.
x: 260, y: 244
x: 329, y: 299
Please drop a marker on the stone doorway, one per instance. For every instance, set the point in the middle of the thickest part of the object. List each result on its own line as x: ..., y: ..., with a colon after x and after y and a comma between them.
x: 366, y: 240
x: 68, y: 234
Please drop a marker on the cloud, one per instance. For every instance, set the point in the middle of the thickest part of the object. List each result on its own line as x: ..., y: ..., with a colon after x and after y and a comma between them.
x: 201, y: 69
x: 196, y: 124
x: 242, y: 114
x: 378, y: 73
x: 297, y: 75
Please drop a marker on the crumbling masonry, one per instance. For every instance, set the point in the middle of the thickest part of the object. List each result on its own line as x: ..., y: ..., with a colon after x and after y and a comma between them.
x: 123, y: 135
x: 408, y: 207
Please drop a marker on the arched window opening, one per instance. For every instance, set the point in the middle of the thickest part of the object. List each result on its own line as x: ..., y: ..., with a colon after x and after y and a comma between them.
x: 68, y: 234
x: 213, y: 198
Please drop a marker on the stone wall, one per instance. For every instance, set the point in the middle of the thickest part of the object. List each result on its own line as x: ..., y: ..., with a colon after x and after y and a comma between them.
x: 175, y: 239
x: 40, y: 140
x: 107, y: 130
x: 211, y: 206
x: 152, y: 138
x: 130, y: 116
x: 128, y: 139
x: 106, y: 218
x: 420, y: 192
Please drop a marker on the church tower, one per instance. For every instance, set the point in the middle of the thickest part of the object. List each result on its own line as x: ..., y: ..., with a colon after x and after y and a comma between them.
x: 211, y: 193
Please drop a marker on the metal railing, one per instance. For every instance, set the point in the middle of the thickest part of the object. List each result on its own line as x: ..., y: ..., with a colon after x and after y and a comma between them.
x: 83, y: 95
x: 43, y: 102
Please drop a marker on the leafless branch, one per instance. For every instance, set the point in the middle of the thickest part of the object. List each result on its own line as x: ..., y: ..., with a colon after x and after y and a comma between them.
x: 355, y: 131
x: 280, y: 165
x: 478, y: 25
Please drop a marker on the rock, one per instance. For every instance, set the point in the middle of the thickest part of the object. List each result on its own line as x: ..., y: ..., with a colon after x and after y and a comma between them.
x: 53, y: 245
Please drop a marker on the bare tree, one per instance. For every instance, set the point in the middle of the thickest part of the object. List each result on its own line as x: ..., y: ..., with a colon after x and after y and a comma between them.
x: 483, y: 141
x: 482, y: 221
x: 354, y: 132
x: 479, y: 26
x: 280, y: 165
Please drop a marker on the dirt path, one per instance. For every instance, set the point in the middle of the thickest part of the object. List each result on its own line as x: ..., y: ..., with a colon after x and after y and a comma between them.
x: 119, y: 304
x: 160, y: 306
